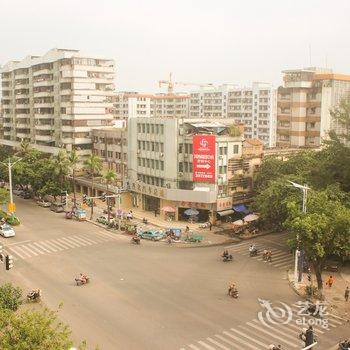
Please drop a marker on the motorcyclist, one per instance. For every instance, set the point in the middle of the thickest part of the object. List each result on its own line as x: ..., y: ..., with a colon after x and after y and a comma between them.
x: 83, y: 278
x: 265, y: 254
x: 273, y: 347
x: 269, y: 256
x: 225, y: 254
x: 253, y: 249
x: 345, y: 344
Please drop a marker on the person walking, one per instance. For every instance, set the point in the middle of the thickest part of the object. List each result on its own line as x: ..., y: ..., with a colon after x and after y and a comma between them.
x: 346, y: 294
x: 330, y: 281
x: 210, y: 225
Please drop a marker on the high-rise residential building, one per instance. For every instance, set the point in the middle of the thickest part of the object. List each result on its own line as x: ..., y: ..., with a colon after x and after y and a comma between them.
x: 304, y: 105
x: 131, y: 104
x: 255, y: 107
x: 54, y: 100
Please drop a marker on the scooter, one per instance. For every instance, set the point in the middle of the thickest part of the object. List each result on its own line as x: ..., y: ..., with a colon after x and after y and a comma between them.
x: 135, y: 240
x: 233, y: 293
x: 253, y: 252
x: 34, y: 296
x: 227, y: 258
x: 275, y: 347
x: 79, y: 281
x: 344, y: 345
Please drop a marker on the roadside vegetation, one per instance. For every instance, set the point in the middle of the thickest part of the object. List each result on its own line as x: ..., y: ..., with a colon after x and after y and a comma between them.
x: 324, y: 230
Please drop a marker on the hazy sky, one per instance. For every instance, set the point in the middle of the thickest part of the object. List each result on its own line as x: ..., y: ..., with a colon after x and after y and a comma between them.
x: 199, y: 40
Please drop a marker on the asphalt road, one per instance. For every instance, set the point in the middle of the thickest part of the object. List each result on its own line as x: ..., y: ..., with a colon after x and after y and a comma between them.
x: 155, y: 296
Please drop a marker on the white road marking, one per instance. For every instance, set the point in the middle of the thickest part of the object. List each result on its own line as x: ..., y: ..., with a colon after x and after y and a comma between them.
x: 49, y: 246
x: 218, y: 344
x: 28, y: 249
x: 41, y: 247
x: 14, y: 243
x: 61, y: 244
x: 206, y: 345
x: 67, y: 242
x: 228, y: 341
x: 16, y: 252
x: 240, y: 340
x: 250, y: 338
x: 80, y: 242
x: 35, y: 248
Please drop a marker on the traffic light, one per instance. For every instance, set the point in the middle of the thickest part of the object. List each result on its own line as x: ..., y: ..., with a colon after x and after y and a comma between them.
x: 103, y: 197
x: 9, y: 262
x: 84, y: 199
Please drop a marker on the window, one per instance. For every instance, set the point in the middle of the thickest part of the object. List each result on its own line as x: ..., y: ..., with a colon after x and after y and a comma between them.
x: 139, y: 161
x: 157, y: 129
x: 235, y: 149
x: 162, y: 129
x: 156, y: 146
x: 152, y: 128
x: 157, y: 164
x: 161, y: 165
x: 191, y: 169
x: 190, y: 149
x: 147, y: 128
x: 186, y: 167
x: 152, y: 146
x: 147, y: 145
x: 143, y: 128
x: 181, y: 169
x: 138, y: 127
x: 147, y: 163
x: 180, y: 148
x: 144, y: 145
x: 143, y: 162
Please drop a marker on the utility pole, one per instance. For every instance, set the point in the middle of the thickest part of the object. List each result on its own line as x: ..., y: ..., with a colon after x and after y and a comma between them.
x: 304, y: 188
x: 11, y: 206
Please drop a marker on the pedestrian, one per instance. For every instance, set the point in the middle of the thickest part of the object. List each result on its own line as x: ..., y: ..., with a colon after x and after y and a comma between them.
x: 155, y: 213
x: 346, y: 294
x: 330, y: 281
x: 210, y: 225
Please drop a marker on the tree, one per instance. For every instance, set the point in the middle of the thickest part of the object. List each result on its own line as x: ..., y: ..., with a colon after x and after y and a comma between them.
x: 3, y: 195
x: 341, y: 115
x: 324, y: 230
x: 10, y: 297
x: 93, y: 164
x: 39, y: 330
x: 61, y: 166
x: 270, y: 169
x: 109, y: 177
x: 73, y: 160
x: 24, y: 147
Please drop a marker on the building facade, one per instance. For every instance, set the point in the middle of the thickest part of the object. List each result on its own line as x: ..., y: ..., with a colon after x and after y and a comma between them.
x: 304, y: 105
x: 161, y: 166
x: 111, y: 145
x: 55, y: 100
x: 255, y: 107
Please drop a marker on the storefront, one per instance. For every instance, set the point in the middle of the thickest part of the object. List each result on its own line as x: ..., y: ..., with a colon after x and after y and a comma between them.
x: 150, y: 203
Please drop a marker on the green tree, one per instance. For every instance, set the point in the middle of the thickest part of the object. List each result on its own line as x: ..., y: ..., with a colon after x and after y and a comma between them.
x: 341, y: 115
x: 73, y: 160
x: 93, y: 164
x: 270, y: 169
x: 322, y: 231
x: 61, y: 166
x: 109, y: 177
x: 10, y: 297
x: 28, y: 330
x: 3, y: 195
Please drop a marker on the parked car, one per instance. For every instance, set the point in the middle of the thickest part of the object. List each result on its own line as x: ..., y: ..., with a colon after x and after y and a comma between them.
x: 17, y: 192
x: 7, y: 231
x: 57, y: 207
x: 26, y: 195
x: 154, y: 235
x: 43, y: 203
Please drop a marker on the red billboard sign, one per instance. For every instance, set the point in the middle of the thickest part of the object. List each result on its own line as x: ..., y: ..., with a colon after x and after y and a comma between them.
x: 203, y: 158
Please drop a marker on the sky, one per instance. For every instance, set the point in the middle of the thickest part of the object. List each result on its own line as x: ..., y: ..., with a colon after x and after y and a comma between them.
x: 199, y: 41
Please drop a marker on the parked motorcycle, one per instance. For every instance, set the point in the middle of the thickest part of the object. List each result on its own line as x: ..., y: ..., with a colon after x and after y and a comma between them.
x: 34, y: 295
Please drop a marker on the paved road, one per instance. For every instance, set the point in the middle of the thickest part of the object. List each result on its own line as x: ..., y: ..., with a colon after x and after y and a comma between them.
x: 156, y: 296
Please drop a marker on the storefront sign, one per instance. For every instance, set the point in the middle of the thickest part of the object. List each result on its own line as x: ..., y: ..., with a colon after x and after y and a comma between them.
x: 204, y: 158
x: 224, y: 203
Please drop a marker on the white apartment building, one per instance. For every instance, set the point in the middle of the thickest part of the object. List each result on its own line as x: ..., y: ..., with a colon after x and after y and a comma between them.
x: 304, y: 105
x: 132, y: 104
x: 56, y: 99
x: 161, y: 170
x: 255, y: 107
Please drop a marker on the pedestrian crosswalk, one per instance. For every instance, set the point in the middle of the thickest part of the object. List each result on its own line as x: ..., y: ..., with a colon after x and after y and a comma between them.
x: 280, y: 259
x: 30, y: 249
x: 257, y: 335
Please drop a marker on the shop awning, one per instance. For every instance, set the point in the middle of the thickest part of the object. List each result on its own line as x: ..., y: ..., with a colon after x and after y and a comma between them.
x: 225, y: 212
x: 240, y: 208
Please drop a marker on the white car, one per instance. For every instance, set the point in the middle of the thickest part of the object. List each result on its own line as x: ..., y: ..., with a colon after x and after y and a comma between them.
x: 7, y: 231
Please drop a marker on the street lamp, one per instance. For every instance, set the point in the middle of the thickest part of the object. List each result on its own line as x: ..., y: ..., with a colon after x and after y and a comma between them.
x: 10, y: 165
x: 304, y: 188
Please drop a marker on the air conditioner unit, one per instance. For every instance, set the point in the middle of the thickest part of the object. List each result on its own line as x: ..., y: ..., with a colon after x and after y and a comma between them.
x: 162, y: 154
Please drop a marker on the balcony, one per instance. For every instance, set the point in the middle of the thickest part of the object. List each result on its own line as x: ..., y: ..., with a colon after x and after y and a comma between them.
x: 7, y: 124
x: 21, y: 86
x: 43, y: 116
x: 22, y: 126
x: 22, y: 115
x: 21, y: 105
x: 47, y: 138
x: 43, y: 83
x: 43, y: 105
x: 23, y: 135
x: 44, y: 127
x: 42, y: 71
x: 283, y: 131
x: 239, y: 181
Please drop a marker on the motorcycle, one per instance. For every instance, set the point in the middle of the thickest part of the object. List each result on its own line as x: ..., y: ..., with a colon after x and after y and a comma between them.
x: 226, y: 258
x: 34, y: 295
x: 135, y: 240
x: 344, y: 345
x: 253, y: 252
x: 233, y: 293
x: 274, y: 347
x: 80, y: 281
x: 267, y: 257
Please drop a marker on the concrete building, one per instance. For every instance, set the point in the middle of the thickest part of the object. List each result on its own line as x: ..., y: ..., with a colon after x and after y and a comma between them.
x: 304, y: 104
x: 160, y: 158
x: 132, y: 105
x: 54, y: 100
x: 255, y: 107
x: 111, y: 145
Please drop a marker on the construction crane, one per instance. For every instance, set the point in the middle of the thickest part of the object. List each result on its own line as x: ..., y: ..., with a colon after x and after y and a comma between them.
x: 171, y: 84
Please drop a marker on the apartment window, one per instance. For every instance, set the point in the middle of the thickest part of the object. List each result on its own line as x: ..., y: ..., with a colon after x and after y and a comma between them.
x: 147, y: 145
x: 144, y: 145
x: 186, y: 167
x: 138, y: 144
x: 157, y: 129
x: 235, y: 149
x: 147, y: 160
x: 110, y: 154
x: 161, y: 165
x: 152, y: 128
x: 181, y: 168
x: 156, y: 146
x: 190, y: 148
x: 138, y: 127
x: 190, y: 167
x: 162, y: 129
x: 152, y: 147
x: 180, y: 148
x: 143, y: 162
x: 157, y: 164
x: 147, y: 128
x: 139, y: 161
x: 143, y: 128
x: 186, y: 147
x: 152, y: 163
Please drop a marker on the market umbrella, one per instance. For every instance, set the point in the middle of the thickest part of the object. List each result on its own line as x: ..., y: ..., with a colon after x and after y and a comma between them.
x: 238, y: 223
x: 169, y: 209
x: 251, y: 217
x: 191, y: 212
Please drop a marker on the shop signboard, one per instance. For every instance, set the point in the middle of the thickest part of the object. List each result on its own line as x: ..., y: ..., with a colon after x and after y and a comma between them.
x: 204, y: 158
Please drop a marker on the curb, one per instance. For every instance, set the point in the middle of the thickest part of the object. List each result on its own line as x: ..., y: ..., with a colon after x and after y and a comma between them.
x: 292, y: 285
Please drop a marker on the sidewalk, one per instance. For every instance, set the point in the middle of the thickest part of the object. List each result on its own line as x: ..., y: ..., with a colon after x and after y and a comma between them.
x: 334, y: 296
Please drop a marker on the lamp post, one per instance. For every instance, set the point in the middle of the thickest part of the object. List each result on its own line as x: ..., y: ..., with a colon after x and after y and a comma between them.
x: 10, y: 165
x: 304, y: 188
